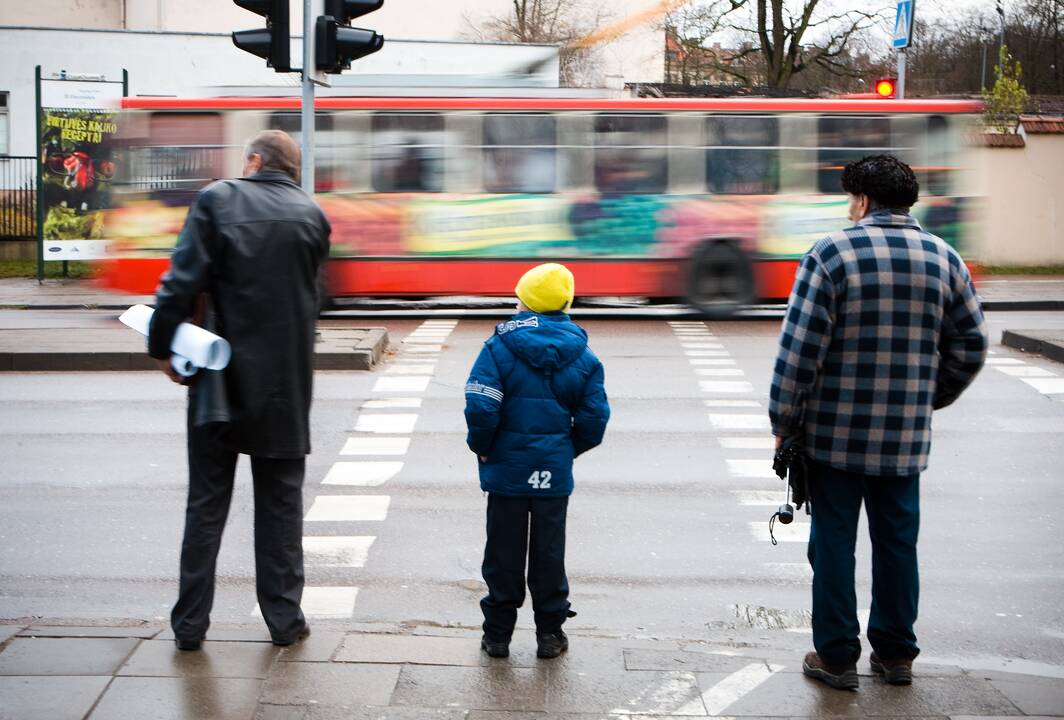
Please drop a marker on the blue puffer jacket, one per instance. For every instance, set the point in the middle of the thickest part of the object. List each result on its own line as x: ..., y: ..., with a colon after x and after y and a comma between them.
x: 535, y: 400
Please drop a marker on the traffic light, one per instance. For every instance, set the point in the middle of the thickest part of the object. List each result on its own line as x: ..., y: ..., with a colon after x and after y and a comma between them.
x: 885, y: 87
x: 336, y: 43
x: 271, y: 42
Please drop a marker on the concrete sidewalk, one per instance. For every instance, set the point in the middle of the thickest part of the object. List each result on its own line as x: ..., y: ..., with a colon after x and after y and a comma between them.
x: 419, y: 673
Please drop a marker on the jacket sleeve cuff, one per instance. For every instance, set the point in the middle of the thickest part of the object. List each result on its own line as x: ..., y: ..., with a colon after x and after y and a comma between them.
x: 161, y: 331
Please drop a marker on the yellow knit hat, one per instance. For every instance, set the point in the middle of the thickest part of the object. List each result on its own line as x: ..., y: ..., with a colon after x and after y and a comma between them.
x: 546, y: 288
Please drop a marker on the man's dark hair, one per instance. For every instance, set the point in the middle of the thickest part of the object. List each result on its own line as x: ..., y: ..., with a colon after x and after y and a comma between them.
x: 887, y: 181
x: 278, y: 152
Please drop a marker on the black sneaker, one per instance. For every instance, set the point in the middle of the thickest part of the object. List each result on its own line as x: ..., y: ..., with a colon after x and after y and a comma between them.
x: 551, y: 645
x: 188, y: 643
x: 840, y: 677
x: 303, y: 634
x: 495, y: 648
x: 894, y: 672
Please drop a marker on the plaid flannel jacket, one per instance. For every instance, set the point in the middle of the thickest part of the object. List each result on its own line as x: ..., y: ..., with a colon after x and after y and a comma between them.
x: 882, y: 327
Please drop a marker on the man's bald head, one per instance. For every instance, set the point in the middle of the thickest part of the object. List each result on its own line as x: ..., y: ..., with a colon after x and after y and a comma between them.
x: 272, y: 150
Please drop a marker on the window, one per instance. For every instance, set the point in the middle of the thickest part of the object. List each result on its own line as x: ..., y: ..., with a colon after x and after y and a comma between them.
x: 936, y: 180
x: 845, y: 139
x: 184, y: 151
x: 630, y: 153
x: 407, y: 152
x: 5, y: 142
x: 519, y: 153
x: 741, y: 154
x: 324, y: 146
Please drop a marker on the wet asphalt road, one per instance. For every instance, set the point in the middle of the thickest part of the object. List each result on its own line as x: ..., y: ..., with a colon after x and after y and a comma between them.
x: 667, y: 529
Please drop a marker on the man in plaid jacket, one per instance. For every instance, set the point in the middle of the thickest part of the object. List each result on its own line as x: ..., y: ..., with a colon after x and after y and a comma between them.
x: 882, y: 328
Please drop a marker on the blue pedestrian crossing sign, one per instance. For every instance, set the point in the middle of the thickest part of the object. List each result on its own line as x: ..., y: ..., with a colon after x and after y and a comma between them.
x: 903, y: 23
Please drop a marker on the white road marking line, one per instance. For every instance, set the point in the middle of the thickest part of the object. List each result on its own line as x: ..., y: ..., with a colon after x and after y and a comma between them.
x: 410, y: 369
x: 348, y: 551
x: 376, y: 446
x: 733, y: 403
x: 726, y: 386
x: 768, y: 498
x: 413, y: 383
x: 761, y: 468
x: 705, y: 353
x: 795, y: 532
x: 1004, y: 361
x: 395, y: 423
x: 325, y: 603
x: 430, y: 342
x: 719, y: 372
x: 712, y: 361
x: 702, y: 346
x: 362, y: 473
x: 349, y: 508
x: 739, y: 421
x: 423, y: 349
x: 1022, y: 371
x: 730, y: 690
x: 746, y: 443
x: 434, y: 335
x: 390, y: 403
x: 1046, y: 386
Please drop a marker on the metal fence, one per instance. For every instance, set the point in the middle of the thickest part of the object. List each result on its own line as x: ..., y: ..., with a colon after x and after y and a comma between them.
x: 18, y: 198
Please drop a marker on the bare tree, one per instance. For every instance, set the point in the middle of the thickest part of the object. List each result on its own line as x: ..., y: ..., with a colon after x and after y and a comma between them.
x: 562, y: 22
x: 773, y: 41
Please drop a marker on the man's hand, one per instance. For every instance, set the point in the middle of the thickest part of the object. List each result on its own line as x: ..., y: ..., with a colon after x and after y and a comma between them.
x: 169, y: 371
x: 779, y: 441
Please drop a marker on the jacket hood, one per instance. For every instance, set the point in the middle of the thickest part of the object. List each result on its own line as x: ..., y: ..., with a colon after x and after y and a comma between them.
x: 545, y: 341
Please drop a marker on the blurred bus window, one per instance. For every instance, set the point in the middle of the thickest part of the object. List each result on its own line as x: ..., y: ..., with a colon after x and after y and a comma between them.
x: 519, y: 153
x: 183, y: 151
x: 741, y: 154
x: 325, y: 151
x: 631, y: 154
x: 936, y: 179
x: 407, y: 152
x: 842, y: 140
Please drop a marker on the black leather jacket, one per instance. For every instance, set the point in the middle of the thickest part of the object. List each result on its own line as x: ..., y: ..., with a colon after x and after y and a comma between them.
x: 256, y: 246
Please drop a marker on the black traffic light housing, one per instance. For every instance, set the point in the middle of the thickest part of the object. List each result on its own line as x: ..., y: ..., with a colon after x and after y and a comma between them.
x: 336, y: 43
x: 271, y: 42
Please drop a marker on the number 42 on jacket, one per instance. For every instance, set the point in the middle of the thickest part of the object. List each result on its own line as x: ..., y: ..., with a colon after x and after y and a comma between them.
x: 540, y: 479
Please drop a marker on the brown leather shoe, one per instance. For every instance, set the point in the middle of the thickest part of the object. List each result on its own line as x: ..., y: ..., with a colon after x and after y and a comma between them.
x: 840, y: 677
x: 894, y: 672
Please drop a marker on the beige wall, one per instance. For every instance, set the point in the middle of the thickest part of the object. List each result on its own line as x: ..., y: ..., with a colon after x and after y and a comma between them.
x: 637, y: 56
x: 1023, y: 196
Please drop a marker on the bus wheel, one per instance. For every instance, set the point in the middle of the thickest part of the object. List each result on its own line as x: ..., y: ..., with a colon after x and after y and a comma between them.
x: 720, y: 279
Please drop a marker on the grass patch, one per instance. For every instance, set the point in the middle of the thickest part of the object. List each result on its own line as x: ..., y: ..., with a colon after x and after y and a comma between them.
x: 1022, y: 269
x: 28, y: 269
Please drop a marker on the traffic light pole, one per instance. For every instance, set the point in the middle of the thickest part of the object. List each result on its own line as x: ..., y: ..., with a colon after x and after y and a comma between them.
x: 307, y: 110
x: 900, y: 90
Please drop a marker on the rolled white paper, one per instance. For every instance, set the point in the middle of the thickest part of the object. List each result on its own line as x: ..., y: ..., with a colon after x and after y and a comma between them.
x: 193, y: 347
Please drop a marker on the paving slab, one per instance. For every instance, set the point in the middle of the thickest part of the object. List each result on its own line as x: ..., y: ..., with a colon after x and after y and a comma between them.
x: 65, y: 656
x: 497, y: 687
x: 161, y: 658
x: 8, y: 631
x: 682, y: 660
x: 49, y: 698
x: 418, y: 650
x: 386, y: 713
x: 928, y: 697
x: 332, y: 684
x: 626, y: 693
x: 198, y: 698
x: 72, y: 631
x: 259, y: 634
x: 281, y: 712
x: 1034, y: 696
x: 319, y: 647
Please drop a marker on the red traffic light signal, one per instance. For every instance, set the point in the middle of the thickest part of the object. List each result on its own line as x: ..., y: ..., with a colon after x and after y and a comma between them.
x: 271, y: 42
x: 885, y: 87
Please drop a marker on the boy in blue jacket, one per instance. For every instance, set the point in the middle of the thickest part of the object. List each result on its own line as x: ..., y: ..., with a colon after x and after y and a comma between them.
x: 535, y: 400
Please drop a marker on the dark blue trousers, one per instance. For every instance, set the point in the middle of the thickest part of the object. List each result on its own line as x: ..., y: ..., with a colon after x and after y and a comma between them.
x: 520, y: 528
x: 893, y: 508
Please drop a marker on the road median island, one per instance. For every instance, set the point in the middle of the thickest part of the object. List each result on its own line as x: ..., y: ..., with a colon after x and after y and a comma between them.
x: 118, y: 348
x: 1047, y: 343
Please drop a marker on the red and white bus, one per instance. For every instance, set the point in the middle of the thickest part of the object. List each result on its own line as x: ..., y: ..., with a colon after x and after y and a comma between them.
x: 711, y: 201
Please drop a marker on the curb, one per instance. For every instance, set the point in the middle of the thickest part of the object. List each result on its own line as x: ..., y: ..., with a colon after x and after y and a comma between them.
x: 1020, y: 305
x: 1031, y: 343
x: 331, y: 353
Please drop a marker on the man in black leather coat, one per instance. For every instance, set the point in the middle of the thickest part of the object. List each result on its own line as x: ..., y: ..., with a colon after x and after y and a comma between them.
x: 250, y: 253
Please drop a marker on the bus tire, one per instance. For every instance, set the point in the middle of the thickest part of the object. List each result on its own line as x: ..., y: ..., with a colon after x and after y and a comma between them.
x: 720, y: 279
